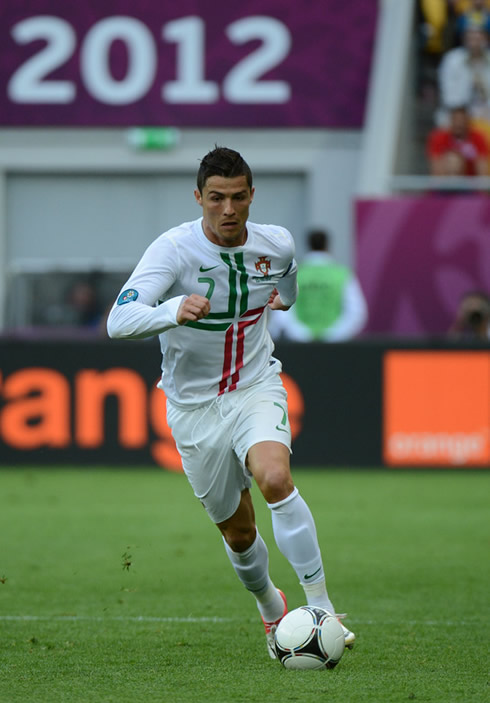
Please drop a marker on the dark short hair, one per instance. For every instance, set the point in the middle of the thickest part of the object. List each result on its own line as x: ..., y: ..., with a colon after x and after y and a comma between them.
x: 482, y: 295
x: 223, y: 162
x: 318, y: 240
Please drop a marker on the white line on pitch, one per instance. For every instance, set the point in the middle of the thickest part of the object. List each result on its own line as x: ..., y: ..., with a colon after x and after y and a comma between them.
x: 96, y: 618
x: 192, y: 619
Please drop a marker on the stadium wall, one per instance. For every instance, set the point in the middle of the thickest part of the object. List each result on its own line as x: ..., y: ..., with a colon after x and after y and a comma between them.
x: 364, y: 404
x: 416, y: 257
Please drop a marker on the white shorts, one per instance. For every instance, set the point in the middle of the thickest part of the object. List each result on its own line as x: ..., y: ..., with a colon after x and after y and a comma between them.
x: 213, y: 441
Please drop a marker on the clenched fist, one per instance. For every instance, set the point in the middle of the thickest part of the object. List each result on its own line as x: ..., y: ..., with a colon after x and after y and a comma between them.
x: 193, y: 308
x: 275, y: 302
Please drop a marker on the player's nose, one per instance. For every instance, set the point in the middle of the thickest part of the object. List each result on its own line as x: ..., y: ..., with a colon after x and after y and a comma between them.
x: 229, y: 208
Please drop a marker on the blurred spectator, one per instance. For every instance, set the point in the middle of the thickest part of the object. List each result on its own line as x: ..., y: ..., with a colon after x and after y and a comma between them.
x: 77, y: 306
x: 459, y: 149
x: 330, y: 307
x: 464, y: 76
x: 84, y: 308
x: 471, y: 13
x: 433, y: 24
x: 473, y: 317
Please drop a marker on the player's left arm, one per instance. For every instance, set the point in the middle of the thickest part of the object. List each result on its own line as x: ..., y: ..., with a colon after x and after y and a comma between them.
x: 286, y: 290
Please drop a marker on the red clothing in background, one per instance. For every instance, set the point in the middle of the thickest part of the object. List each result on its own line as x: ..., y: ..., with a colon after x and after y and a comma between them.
x: 471, y: 148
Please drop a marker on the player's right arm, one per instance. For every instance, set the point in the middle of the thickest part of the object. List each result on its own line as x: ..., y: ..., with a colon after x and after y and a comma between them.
x: 135, y: 313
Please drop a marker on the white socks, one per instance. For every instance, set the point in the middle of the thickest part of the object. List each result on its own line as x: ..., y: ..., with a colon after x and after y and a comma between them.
x: 295, y: 534
x: 252, y: 568
x: 316, y: 594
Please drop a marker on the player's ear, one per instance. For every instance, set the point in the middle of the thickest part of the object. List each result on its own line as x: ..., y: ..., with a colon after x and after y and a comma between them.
x: 198, y: 196
x: 252, y: 193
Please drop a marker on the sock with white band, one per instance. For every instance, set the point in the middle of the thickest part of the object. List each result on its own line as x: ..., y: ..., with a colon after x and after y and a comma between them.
x: 295, y: 534
x: 252, y: 568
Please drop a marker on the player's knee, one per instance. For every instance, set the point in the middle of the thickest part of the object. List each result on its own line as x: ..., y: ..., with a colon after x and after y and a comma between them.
x: 239, y: 539
x: 276, y: 484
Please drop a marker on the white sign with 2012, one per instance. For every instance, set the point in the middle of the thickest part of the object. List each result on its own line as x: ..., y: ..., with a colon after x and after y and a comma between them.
x: 195, y: 63
x: 243, y: 83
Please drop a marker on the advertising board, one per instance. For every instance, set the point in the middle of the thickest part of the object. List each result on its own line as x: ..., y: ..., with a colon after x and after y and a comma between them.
x: 69, y: 402
x: 437, y: 408
x: 351, y: 405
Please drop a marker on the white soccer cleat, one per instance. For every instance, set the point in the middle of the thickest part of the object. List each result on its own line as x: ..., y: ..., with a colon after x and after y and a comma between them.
x: 271, y: 627
x: 349, y: 636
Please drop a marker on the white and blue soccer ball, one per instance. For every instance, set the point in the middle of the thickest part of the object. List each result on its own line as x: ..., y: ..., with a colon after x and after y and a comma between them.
x: 309, y: 638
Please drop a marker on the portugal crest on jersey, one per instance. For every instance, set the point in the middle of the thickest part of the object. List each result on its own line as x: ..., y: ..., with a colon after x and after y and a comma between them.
x: 263, y: 265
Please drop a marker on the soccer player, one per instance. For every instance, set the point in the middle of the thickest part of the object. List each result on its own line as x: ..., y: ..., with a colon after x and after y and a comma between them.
x: 205, y: 287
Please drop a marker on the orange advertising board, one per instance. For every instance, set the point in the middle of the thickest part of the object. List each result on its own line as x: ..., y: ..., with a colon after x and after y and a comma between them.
x: 436, y: 408
x: 44, y: 408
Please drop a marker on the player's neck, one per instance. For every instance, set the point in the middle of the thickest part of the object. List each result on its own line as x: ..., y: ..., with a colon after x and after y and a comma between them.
x: 223, y: 239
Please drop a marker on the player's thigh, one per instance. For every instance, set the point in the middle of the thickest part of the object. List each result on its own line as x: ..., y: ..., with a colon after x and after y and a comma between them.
x: 204, y: 442
x: 262, y: 416
x: 262, y: 438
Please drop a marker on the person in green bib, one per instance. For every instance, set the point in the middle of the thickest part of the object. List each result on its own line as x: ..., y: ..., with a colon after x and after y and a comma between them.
x: 330, y: 307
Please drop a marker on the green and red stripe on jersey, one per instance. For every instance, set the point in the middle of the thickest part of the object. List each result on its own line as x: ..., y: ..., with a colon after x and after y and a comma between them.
x: 235, y: 339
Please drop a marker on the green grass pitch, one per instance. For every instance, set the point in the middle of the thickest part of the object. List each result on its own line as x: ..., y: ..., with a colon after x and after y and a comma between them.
x: 114, y: 586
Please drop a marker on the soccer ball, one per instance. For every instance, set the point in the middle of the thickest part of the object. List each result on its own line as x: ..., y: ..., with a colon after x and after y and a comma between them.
x: 309, y: 638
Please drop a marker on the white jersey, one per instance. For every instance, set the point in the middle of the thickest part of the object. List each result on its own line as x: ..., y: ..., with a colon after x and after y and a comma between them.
x: 231, y: 347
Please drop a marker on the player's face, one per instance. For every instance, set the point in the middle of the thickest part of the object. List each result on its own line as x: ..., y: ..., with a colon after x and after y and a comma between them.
x: 225, y: 204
